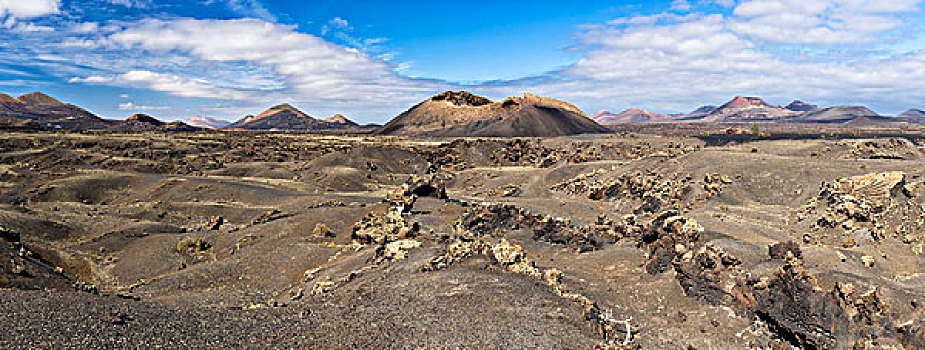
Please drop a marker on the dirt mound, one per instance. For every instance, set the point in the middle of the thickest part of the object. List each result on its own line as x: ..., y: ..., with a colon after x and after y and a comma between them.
x: 463, y: 114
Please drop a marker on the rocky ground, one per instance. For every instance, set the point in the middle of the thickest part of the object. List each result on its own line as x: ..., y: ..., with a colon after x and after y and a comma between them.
x: 711, y: 240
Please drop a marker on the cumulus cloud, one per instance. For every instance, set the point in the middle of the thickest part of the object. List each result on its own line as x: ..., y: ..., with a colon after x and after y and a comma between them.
x: 818, y: 21
x: 130, y: 106
x: 142, y: 4
x: 169, y: 83
x: 250, y: 8
x: 289, y: 65
x: 681, y: 5
x: 28, y: 8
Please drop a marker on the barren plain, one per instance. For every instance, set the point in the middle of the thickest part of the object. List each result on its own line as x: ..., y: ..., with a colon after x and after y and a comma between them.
x: 646, y: 238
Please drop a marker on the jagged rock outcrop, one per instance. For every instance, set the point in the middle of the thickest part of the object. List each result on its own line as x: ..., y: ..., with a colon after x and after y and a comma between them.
x: 459, y: 113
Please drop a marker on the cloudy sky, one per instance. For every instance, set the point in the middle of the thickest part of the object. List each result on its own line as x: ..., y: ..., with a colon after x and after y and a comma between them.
x: 370, y: 60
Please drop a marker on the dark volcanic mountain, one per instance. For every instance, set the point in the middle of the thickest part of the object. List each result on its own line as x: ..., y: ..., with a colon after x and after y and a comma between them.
x: 913, y: 116
x: 800, y: 106
x: 459, y: 113
x: 42, y: 111
x: 144, y: 122
x: 280, y: 117
x: 629, y: 116
x: 838, y: 114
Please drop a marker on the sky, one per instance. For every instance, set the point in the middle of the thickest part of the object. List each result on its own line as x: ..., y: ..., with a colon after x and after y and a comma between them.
x: 371, y: 60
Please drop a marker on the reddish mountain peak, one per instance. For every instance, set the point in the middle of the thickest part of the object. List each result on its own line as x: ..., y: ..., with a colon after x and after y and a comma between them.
x: 745, y: 102
x: 600, y: 114
x: 4, y: 98
x: 38, y: 98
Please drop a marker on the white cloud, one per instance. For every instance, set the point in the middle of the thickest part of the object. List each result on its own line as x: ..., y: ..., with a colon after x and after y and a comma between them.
x: 681, y: 5
x: 130, y: 106
x: 291, y: 66
x: 28, y: 8
x: 169, y: 83
x: 818, y: 21
x: 250, y: 8
x: 31, y: 28
x: 141, y: 4
x: 84, y: 27
x: 340, y: 22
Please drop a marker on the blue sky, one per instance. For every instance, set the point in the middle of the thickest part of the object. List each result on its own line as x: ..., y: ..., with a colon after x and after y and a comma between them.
x: 370, y: 60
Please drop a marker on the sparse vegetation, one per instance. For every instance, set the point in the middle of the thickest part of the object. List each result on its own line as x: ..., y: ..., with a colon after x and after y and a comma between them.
x: 322, y: 230
x: 193, y: 245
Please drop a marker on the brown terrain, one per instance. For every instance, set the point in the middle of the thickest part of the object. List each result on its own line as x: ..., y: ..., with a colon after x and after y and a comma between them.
x: 679, y: 236
x: 743, y: 232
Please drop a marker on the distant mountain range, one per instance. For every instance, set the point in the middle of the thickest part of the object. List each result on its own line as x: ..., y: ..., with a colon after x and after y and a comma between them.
x: 451, y: 113
x: 754, y: 109
x: 632, y: 115
x: 206, y: 122
x: 287, y: 117
x: 40, y: 111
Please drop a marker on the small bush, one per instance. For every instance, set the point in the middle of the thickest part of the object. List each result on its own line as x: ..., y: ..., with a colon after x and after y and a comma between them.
x: 193, y: 245
x: 322, y: 230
